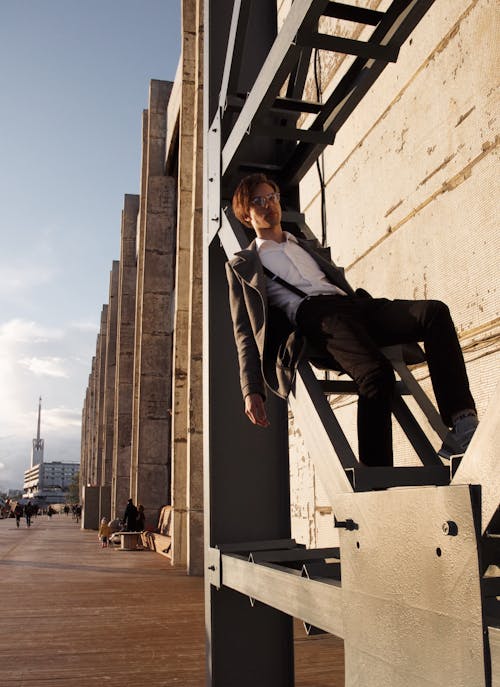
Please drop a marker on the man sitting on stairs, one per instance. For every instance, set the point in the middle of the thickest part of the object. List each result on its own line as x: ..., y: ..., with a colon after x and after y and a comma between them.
x: 285, y: 296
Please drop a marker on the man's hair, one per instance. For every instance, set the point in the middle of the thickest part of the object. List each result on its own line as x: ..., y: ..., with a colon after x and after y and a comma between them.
x: 244, y: 193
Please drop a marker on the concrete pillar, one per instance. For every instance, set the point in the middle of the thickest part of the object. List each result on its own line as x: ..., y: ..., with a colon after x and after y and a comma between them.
x: 122, y: 430
x: 87, y: 451
x: 105, y: 502
x: 93, y: 423
x: 90, y: 508
x: 153, y: 335
x: 180, y: 418
x: 195, y: 354
x: 109, y: 380
x: 83, y: 446
x: 100, y: 379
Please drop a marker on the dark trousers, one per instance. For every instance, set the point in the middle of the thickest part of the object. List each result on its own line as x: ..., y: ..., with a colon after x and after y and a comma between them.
x: 352, y: 329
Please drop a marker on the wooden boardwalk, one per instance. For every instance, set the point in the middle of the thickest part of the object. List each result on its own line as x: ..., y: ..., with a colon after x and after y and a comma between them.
x: 73, y: 613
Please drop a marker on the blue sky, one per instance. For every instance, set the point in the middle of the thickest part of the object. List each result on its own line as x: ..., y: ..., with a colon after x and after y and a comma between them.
x: 74, y: 80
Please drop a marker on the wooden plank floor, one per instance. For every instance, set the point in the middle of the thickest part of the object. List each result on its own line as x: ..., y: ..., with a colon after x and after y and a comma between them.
x: 73, y: 613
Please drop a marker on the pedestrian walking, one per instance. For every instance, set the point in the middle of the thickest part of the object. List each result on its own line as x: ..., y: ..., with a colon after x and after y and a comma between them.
x: 18, y: 511
x: 104, y: 533
x: 28, y: 513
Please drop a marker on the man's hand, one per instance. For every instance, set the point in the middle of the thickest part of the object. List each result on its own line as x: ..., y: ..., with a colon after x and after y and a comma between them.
x: 255, y: 410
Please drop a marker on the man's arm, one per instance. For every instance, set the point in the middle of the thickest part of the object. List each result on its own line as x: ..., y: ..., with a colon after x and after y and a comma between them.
x: 251, y: 381
x: 255, y: 410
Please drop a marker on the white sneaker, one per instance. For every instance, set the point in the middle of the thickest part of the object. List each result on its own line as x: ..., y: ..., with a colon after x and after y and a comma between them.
x: 464, y: 429
x: 458, y: 440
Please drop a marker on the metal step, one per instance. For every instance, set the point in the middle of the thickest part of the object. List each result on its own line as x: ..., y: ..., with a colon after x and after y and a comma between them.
x: 348, y: 46
x: 296, y: 105
x: 341, y: 386
x: 295, y: 555
x: 490, y: 550
x: 361, y: 15
x: 491, y: 587
x: 368, y: 479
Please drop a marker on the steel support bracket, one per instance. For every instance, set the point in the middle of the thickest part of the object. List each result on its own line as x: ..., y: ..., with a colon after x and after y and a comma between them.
x: 213, y: 566
x: 435, y: 540
x: 214, y: 177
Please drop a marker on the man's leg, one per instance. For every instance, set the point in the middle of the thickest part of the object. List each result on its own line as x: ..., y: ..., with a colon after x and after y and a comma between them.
x: 352, y: 329
x: 336, y: 324
x: 401, y: 321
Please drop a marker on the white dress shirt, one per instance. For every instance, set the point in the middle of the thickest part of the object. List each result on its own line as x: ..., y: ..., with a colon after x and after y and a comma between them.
x: 292, y: 263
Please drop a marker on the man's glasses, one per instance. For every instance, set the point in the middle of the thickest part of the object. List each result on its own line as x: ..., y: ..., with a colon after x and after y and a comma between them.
x: 263, y: 201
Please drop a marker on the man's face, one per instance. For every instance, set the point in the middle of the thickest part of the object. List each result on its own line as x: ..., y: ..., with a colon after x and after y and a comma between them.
x: 267, y: 215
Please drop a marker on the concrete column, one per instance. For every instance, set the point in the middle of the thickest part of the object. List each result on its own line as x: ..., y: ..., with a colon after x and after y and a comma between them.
x: 84, y: 445
x: 101, y: 373
x: 180, y: 418
x: 122, y: 431
x: 195, y: 355
x: 85, y: 477
x: 140, y: 238
x: 110, y: 373
x: 153, y: 336
x: 93, y: 422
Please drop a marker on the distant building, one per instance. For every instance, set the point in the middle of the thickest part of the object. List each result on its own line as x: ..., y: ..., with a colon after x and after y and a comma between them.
x: 47, y: 482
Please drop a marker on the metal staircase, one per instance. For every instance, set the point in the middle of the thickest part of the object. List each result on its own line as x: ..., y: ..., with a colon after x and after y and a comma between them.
x: 408, y: 557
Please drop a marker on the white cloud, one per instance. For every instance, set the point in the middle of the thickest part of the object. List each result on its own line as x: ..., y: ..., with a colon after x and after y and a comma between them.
x: 62, y: 418
x: 18, y: 331
x: 49, y: 366
x: 38, y: 360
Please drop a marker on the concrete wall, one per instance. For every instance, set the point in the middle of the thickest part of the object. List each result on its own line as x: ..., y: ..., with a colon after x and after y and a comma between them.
x: 412, y: 200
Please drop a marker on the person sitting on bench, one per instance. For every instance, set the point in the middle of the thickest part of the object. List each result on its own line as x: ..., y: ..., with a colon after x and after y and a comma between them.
x: 284, y: 296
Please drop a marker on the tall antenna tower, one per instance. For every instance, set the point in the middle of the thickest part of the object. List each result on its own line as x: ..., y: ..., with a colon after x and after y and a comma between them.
x: 37, y: 444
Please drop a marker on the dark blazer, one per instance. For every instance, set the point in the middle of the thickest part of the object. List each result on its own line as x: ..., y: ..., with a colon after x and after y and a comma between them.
x: 269, y: 349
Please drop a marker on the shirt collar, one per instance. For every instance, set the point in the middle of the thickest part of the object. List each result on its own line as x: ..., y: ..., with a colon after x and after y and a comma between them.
x: 263, y: 244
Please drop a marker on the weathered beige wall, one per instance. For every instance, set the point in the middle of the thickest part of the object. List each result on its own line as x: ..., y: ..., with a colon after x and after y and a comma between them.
x: 412, y: 200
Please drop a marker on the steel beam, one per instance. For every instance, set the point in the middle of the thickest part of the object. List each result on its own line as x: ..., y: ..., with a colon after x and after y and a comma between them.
x: 317, y: 603
x: 280, y: 61
x: 418, y: 394
x: 361, y: 15
x: 288, y: 133
x: 348, y: 46
x: 415, y: 434
x: 246, y: 472
x: 234, y: 54
x: 321, y: 432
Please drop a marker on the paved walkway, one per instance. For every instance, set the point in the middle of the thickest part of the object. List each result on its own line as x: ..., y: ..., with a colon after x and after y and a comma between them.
x: 72, y: 613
